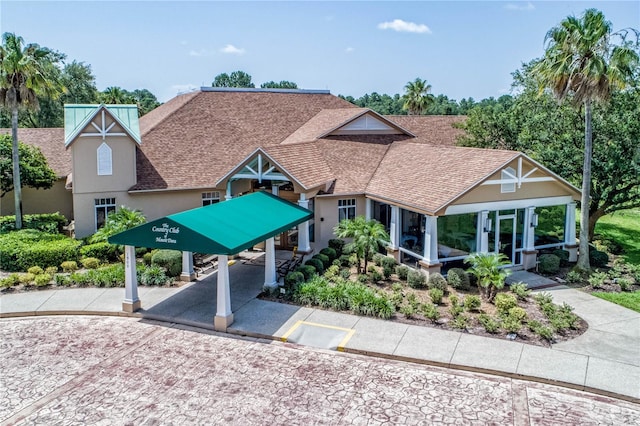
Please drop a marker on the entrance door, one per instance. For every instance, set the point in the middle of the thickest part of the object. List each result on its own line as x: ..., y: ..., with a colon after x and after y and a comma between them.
x: 505, y: 238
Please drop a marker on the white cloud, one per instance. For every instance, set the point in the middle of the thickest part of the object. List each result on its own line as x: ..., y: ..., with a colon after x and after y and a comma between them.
x: 201, y: 52
x: 520, y: 6
x: 404, y: 26
x: 230, y: 48
x: 349, y: 49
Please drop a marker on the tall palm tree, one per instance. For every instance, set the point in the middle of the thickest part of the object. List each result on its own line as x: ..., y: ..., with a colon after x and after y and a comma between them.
x: 583, y: 64
x: 116, y: 95
x: 417, y: 97
x: 24, y: 74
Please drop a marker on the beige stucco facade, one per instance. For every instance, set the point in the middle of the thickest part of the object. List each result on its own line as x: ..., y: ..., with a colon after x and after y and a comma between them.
x: 326, y: 216
x: 55, y: 199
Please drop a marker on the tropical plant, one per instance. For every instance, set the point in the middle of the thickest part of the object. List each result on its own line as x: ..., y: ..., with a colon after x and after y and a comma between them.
x: 121, y: 220
x: 368, y: 236
x: 417, y: 97
x: 584, y: 64
x: 34, y: 169
x: 24, y: 73
x: 116, y: 95
x: 489, y: 269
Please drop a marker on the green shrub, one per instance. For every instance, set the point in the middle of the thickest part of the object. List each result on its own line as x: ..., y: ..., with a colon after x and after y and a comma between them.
x: 541, y: 330
x: 372, y: 268
x: 520, y: 290
x: 563, y: 255
x: 330, y: 253
x: 51, y: 270
x: 504, y: 302
x: 490, y: 324
x: 69, y: 266
x: 461, y: 322
x: 548, y: 264
x: 26, y: 278
x: 146, y: 258
x: 90, y: 262
x: 472, y: 302
x: 154, y: 275
x: 436, y: 280
x: 35, y: 270
x: 624, y: 283
x: 387, y: 271
x: 22, y: 249
x: 51, y: 223
x: 518, y: 313
x: 416, y: 279
x: 10, y: 280
x: 307, y: 270
x: 345, y: 274
x: 337, y: 244
x: 42, y: 280
x: 511, y: 325
x: 377, y: 258
x: 376, y: 276
x: 456, y: 308
x: 574, y: 277
x: 292, y: 279
x: 543, y: 298
x: 363, y: 278
x: 170, y: 260
x: 345, y: 260
x: 388, y: 262
x: 324, y: 259
x: 597, y: 279
x: 332, y: 272
x: 103, y: 251
x: 317, y: 264
x: 598, y: 258
x: 436, y: 295
x: 80, y: 278
x: 402, y: 271
x: 430, y: 312
x: 458, y: 278
x: 408, y: 311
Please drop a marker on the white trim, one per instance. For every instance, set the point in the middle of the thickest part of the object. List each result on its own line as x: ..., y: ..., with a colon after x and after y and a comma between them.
x: 509, y: 185
x: 376, y: 115
x: 104, y: 157
x: 509, y: 204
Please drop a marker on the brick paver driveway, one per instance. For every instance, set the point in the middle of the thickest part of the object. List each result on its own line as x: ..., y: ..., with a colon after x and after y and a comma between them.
x: 101, y: 370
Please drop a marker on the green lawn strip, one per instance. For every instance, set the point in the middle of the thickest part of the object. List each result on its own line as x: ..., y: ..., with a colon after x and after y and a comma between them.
x: 624, y: 228
x: 628, y: 300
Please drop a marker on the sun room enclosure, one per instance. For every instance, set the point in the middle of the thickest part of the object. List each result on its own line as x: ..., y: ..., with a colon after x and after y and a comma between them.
x: 439, y: 243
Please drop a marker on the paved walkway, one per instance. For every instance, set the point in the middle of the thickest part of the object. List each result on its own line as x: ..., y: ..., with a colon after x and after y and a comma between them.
x: 604, y: 360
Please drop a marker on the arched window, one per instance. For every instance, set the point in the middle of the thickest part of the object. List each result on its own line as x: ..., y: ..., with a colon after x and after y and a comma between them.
x: 104, y: 160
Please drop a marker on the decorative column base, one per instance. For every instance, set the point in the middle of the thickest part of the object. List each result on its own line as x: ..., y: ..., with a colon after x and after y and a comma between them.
x: 393, y: 252
x: 221, y: 323
x: 529, y: 259
x: 187, y: 277
x: 429, y: 268
x: 131, y: 307
x: 573, y: 252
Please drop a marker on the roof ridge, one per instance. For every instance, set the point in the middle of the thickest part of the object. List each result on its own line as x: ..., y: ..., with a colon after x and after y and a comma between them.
x: 198, y: 93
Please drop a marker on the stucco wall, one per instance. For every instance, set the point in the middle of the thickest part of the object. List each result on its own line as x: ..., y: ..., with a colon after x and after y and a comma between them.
x: 55, y: 199
x: 326, y: 217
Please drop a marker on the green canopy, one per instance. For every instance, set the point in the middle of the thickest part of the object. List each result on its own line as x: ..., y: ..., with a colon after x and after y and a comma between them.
x: 222, y: 228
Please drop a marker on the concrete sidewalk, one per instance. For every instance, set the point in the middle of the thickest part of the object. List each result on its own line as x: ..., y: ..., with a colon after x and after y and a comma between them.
x: 604, y: 360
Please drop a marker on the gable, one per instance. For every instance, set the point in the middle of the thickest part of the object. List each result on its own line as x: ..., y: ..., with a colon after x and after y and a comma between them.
x: 366, y: 124
x: 101, y: 121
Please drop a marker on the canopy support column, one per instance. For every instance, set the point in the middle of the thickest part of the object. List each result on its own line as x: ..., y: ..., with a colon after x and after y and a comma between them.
x: 188, y: 273
x: 430, y: 254
x: 570, y: 243
x: 131, y: 301
x: 224, y: 316
x: 529, y: 254
x: 270, y: 277
x: 303, y: 228
x: 483, y: 227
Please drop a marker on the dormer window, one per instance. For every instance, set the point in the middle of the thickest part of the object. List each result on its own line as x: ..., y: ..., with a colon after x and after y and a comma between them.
x: 104, y: 160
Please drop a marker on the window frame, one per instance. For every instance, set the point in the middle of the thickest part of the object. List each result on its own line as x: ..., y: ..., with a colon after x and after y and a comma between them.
x: 104, y: 155
x: 108, y: 204
x: 505, y: 187
x: 348, y: 206
x: 210, y: 197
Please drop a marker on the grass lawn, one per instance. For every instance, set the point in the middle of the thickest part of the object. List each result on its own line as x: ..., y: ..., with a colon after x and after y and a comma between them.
x: 628, y: 300
x: 624, y: 228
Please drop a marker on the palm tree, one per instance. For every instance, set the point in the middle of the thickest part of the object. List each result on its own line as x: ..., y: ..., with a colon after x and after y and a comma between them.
x: 116, y: 95
x: 417, y: 97
x: 24, y: 74
x: 583, y: 64
x: 489, y: 269
x: 119, y: 221
x: 368, y: 236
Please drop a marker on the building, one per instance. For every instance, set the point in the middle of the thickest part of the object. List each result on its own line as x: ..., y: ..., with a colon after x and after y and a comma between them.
x: 439, y: 202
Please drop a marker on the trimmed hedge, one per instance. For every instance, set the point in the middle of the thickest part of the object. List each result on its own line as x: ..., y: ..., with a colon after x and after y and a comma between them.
x: 103, y: 251
x: 436, y: 280
x: 20, y: 250
x: 549, y: 263
x: 330, y: 253
x: 598, y: 258
x: 326, y: 262
x: 51, y: 223
x: 337, y: 244
x: 317, y: 264
x: 307, y: 271
x: 458, y: 278
x: 170, y: 260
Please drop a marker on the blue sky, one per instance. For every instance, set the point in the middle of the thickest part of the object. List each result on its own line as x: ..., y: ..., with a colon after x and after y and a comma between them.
x: 462, y: 48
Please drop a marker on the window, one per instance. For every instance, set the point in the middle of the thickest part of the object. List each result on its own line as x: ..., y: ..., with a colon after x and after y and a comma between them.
x: 209, y: 198
x: 346, y: 209
x: 104, y: 160
x: 103, y: 207
x: 508, y: 174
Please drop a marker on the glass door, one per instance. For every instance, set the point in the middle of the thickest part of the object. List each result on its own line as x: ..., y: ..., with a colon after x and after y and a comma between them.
x: 505, y: 237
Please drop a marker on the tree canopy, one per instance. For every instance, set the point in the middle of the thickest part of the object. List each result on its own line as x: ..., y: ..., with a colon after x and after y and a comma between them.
x: 284, y: 84
x: 417, y: 97
x: 235, y: 79
x: 34, y: 170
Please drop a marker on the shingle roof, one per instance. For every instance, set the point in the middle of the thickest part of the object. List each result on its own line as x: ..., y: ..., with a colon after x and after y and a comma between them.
x: 431, y: 129
x: 193, y: 140
x: 304, y: 162
x: 51, y: 143
x: 322, y: 122
x: 421, y: 176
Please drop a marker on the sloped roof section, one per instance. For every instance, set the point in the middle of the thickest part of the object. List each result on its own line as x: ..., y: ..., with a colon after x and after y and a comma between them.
x: 419, y: 176
x: 431, y: 129
x: 208, y: 133
x: 50, y: 142
x: 78, y: 116
x: 304, y: 162
x: 222, y: 228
